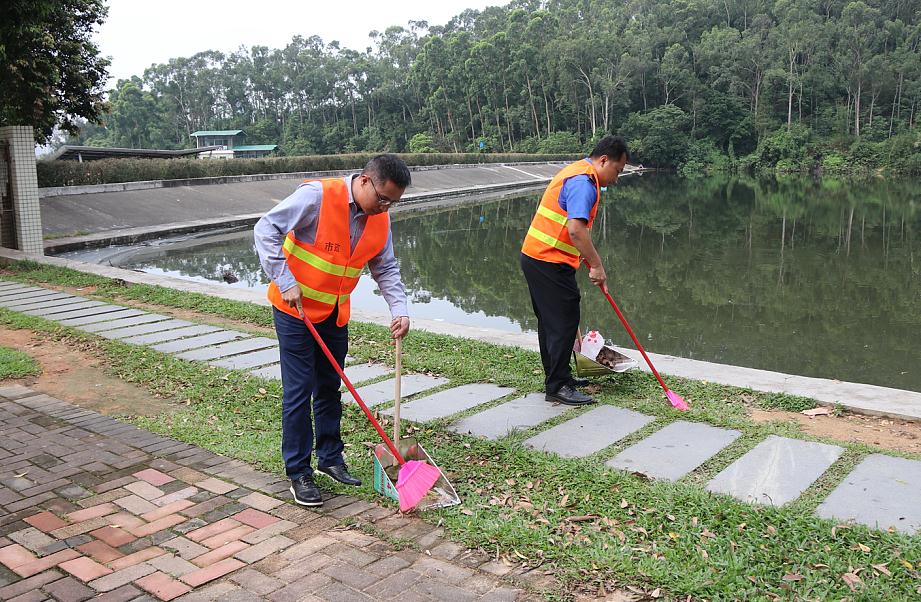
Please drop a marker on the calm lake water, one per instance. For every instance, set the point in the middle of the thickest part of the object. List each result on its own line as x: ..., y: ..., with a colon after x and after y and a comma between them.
x: 804, y: 276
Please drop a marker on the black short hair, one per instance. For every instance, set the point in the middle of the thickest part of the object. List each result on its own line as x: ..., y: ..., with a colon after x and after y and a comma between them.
x: 388, y: 167
x: 614, y: 147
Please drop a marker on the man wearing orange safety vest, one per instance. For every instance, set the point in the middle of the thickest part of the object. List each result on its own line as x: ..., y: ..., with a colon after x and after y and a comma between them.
x: 313, y: 245
x: 559, y: 235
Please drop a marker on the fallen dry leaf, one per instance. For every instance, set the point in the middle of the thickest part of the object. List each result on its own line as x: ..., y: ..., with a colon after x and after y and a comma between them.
x: 793, y: 577
x: 852, y: 580
x: 882, y: 568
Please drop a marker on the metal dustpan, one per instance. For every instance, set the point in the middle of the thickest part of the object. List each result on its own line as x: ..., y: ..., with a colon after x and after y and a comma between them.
x: 386, y: 469
x: 587, y: 366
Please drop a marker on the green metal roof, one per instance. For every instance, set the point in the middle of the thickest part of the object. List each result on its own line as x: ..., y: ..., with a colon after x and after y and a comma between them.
x: 218, y: 133
x: 255, y: 147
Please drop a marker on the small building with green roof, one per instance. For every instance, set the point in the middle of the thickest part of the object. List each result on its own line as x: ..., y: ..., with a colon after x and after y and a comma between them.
x: 231, y: 145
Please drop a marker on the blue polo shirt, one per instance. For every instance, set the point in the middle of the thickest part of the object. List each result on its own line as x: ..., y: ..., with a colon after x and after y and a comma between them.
x: 578, y: 197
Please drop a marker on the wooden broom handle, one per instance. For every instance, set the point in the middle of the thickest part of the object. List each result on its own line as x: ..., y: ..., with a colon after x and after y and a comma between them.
x: 396, y: 393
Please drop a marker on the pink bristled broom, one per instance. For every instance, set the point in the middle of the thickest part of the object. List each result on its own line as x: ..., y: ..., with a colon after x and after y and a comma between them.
x: 416, y: 477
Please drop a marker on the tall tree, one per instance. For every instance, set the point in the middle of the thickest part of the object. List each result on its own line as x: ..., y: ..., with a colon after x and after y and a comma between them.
x: 51, y: 73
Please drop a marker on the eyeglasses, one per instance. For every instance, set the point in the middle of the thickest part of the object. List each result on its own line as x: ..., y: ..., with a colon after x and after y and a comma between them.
x: 380, y: 200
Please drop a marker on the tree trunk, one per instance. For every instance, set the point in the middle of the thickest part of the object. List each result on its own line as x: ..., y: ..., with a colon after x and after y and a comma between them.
x: 857, y: 110
x: 533, y: 108
x: 790, y: 92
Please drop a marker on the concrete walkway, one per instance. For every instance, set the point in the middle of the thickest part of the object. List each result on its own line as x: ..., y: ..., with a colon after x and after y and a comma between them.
x: 163, y: 207
x: 94, y: 508
x: 882, y: 492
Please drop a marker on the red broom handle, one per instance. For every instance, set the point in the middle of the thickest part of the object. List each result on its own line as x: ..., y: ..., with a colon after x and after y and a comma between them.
x: 348, y: 384
x: 623, y: 320
x: 633, y: 336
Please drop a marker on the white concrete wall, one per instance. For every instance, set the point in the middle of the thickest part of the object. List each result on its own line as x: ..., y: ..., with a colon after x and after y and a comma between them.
x: 25, y: 188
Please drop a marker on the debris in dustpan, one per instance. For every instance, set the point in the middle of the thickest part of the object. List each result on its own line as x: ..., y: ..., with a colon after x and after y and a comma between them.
x: 594, y: 357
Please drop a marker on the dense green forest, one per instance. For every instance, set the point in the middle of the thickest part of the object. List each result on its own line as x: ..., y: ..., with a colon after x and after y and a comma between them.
x: 788, y: 84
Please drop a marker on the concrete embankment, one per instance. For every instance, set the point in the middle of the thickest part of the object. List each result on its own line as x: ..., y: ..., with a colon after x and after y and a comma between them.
x: 86, y: 216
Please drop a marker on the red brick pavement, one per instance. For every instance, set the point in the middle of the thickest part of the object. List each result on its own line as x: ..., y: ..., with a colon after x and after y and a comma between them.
x: 92, y: 507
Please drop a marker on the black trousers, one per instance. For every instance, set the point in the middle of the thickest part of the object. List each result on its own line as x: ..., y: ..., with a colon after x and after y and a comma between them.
x: 555, y: 298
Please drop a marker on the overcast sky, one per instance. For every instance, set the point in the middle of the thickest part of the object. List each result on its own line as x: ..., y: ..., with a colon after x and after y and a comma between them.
x: 139, y: 34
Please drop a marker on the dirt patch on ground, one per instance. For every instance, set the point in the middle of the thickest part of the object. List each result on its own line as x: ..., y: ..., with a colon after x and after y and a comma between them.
x: 887, y: 433
x: 79, y: 377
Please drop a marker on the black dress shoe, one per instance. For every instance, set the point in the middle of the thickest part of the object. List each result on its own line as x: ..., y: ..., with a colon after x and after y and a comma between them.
x: 570, y: 397
x: 579, y: 382
x: 340, y: 473
x: 305, y: 491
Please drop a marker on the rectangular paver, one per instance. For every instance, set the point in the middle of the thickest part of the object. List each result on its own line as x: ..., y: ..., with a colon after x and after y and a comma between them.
x: 227, y: 349
x: 49, y: 304
x: 590, y: 432
x: 38, y: 302
x: 101, y: 317
x: 776, y: 471
x: 881, y: 492
x: 248, y: 360
x: 171, y: 335
x: 273, y: 371
x: 124, y: 333
x: 382, y: 392
x: 674, y: 451
x: 53, y: 311
x: 104, y: 308
x: 450, y: 401
x: 121, y: 323
x: 25, y: 295
x: 213, y: 338
x: 517, y: 414
x: 362, y: 372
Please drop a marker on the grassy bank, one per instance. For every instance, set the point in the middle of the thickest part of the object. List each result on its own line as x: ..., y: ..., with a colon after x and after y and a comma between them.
x: 16, y: 364
x: 585, y: 524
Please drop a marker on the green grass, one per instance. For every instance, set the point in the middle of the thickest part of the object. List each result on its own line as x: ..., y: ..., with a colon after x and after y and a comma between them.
x: 16, y: 364
x: 521, y: 502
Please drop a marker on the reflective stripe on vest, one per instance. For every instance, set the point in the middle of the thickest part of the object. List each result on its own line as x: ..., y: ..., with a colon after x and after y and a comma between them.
x: 318, y: 262
x: 548, y: 237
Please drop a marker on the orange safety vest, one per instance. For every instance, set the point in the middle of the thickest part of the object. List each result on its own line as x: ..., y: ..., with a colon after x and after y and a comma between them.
x: 547, y: 238
x: 328, y: 270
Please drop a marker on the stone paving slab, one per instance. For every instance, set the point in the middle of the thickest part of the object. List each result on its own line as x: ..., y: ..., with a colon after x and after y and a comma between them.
x: 221, y: 336
x: 674, y: 451
x: 171, y: 335
x: 881, y: 492
x: 25, y: 293
x: 450, y: 401
x: 273, y: 371
x: 47, y: 302
x: 362, y: 372
x: 55, y: 310
x: 123, y: 322
x: 6, y: 284
x: 29, y: 299
x: 502, y: 420
x: 226, y: 349
x: 382, y: 392
x: 248, y: 360
x: 776, y: 471
x: 118, y: 314
x: 71, y: 314
x: 590, y: 432
x: 124, y: 333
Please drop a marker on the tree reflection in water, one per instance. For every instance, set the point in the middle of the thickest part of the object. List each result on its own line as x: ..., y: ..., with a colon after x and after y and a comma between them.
x: 799, y: 275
